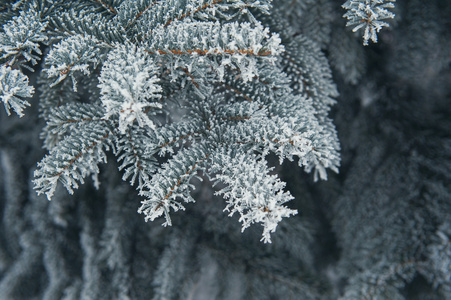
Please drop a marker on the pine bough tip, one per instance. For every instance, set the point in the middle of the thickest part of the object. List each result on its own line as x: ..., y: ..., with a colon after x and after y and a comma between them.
x: 368, y: 15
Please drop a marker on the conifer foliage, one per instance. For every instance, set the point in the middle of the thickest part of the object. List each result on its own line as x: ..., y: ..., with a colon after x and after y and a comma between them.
x: 202, y: 83
x: 369, y: 15
x: 170, y: 92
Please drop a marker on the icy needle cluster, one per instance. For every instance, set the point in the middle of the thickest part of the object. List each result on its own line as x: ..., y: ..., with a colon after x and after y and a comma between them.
x: 369, y: 15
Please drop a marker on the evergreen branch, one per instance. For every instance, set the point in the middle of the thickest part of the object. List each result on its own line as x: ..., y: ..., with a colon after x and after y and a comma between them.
x: 311, y: 75
x: 292, y: 115
x: 237, y: 92
x: 268, y: 85
x: 268, y: 135
x: 191, y: 77
x: 135, y: 153
x: 291, y: 141
x: 80, y: 121
x: 19, y: 43
x: 140, y: 13
x: 165, y: 138
x: 21, y: 37
x: 144, y: 10
x: 73, y: 55
x: 166, y: 13
x: 206, y: 52
x: 178, y: 139
x: 86, y: 23
x: 240, y: 118
x: 125, y: 94
x: 54, y: 97
x: 250, y: 190
x: 138, y: 147
x: 106, y: 6
x: 239, y: 111
x: 230, y: 38
x: 75, y: 157
x: 70, y: 116
x: 136, y: 161
x: 299, y: 70
x: 192, y: 12
x: 13, y: 89
x: 172, y: 182
x: 79, y: 155
x: 224, y: 75
x: 237, y: 44
x: 187, y: 173
x: 368, y: 15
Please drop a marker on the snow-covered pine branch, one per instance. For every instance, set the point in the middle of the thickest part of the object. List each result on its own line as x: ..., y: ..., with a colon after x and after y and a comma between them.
x: 14, y: 89
x: 135, y: 15
x: 129, y: 87
x: 79, y: 152
x: 251, y: 191
x: 172, y: 182
x: 21, y: 37
x: 202, y: 83
x: 75, y: 55
x: 192, y: 43
x: 369, y: 15
x: 19, y: 44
